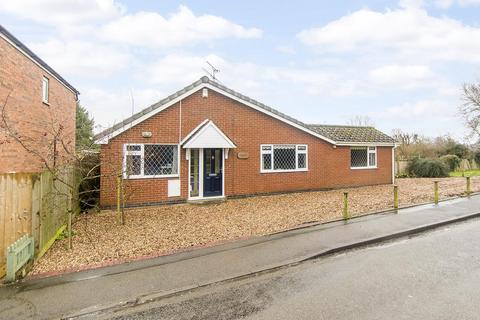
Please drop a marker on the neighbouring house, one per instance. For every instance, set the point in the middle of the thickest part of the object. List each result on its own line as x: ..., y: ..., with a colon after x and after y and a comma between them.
x: 207, y: 141
x: 37, y: 136
x: 38, y: 101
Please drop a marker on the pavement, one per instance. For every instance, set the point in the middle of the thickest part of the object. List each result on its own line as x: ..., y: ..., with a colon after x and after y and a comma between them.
x: 430, y: 276
x: 90, y: 293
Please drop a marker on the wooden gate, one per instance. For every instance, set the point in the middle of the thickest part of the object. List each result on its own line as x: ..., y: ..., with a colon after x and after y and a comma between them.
x: 15, y: 210
x: 34, y: 204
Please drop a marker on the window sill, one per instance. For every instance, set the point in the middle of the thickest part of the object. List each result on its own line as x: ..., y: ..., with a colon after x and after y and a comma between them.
x: 283, y: 171
x: 362, y: 168
x: 152, y: 177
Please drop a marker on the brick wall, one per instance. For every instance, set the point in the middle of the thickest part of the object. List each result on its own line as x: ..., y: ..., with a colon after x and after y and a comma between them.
x: 329, y: 167
x: 33, y: 120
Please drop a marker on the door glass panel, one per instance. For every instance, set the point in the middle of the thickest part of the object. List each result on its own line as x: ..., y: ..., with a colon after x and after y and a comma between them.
x: 208, y: 161
x: 194, y: 172
x: 218, y: 159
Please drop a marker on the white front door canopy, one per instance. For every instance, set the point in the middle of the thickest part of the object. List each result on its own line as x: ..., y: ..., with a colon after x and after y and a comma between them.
x: 207, y: 135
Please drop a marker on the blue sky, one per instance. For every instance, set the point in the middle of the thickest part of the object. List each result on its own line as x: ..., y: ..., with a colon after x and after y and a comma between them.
x: 401, y: 63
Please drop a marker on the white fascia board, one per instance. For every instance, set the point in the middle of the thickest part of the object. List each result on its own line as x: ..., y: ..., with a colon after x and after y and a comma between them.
x: 194, y: 131
x: 34, y: 61
x: 365, y: 144
x: 127, y: 126
x: 225, y: 142
x: 105, y: 139
x: 273, y: 115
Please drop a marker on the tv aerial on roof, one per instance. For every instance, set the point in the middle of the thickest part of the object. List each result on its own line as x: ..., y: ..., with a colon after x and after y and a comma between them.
x: 213, y: 72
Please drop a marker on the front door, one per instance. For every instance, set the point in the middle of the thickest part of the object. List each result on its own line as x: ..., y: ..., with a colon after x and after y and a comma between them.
x: 212, y: 172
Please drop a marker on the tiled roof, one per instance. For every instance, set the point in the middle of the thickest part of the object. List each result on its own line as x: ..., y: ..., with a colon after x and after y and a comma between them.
x: 205, y: 80
x: 36, y: 58
x: 349, y: 134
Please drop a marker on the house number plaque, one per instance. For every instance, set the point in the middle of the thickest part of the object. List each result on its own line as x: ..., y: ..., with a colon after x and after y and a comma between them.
x: 242, y: 155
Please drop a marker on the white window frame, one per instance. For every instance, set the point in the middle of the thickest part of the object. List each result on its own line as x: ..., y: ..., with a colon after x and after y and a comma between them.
x: 141, y: 153
x: 45, y: 89
x: 297, y: 152
x: 370, y: 150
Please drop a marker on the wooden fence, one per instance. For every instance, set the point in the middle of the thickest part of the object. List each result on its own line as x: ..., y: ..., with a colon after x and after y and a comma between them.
x: 33, y: 204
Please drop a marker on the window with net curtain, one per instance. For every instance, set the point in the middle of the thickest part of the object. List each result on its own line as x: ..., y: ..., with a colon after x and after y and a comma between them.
x: 363, y: 157
x: 151, y: 160
x: 283, y: 157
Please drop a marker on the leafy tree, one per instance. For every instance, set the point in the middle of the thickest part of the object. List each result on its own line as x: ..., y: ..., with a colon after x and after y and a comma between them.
x: 452, y: 161
x: 84, y: 130
x: 458, y: 149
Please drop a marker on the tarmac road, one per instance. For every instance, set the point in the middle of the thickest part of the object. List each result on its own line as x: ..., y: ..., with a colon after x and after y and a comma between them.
x: 435, y: 275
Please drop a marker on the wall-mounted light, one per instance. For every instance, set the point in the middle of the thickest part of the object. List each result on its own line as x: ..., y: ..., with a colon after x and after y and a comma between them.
x: 146, y: 134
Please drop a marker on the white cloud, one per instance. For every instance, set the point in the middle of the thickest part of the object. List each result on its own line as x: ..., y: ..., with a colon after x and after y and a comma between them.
x: 433, y: 117
x: 61, y: 12
x: 411, y: 3
x: 409, y: 76
x: 81, y: 58
x: 110, y: 107
x: 410, y: 33
x: 445, y: 4
x: 181, y: 28
x: 285, y: 49
x: 414, y: 110
x: 182, y: 69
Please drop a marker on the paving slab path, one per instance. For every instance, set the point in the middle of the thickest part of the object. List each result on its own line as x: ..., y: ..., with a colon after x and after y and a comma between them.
x: 84, y: 293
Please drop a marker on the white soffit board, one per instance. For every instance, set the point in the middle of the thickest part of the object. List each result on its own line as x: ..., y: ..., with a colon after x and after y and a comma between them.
x: 209, y: 136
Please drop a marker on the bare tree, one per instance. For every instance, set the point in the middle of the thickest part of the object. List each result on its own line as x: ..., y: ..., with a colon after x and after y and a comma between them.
x: 361, y: 120
x: 470, y: 109
x: 53, y: 147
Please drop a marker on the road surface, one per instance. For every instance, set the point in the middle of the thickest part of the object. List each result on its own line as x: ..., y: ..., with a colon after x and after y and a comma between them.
x: 435, y: 275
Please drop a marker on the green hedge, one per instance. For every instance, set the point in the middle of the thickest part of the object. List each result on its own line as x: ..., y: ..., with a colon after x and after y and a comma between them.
x: 452, y: 161
x: 428, y: 168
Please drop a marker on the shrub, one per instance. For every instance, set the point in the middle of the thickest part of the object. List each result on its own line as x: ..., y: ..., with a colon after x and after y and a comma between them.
x: 428, y: 168
x: 89, y: 175
x: 451, y: 160
x: 476, y: 156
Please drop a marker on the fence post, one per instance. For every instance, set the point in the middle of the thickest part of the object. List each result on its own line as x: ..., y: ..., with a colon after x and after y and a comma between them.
x: 119, y: 193
x: 120, y: 198
x: 395, y: 197
x: 469, y: 190
x: 69, y: 221
x: 346, y: 216
x: 435, y: 192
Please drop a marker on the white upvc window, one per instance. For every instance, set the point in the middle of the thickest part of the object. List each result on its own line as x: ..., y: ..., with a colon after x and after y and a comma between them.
x: 150, y: 160
x: 45, y: 88
x: 363, y: 157
x: 283, y: 157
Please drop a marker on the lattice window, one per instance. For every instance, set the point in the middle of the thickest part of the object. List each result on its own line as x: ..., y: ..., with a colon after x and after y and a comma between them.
x: 150, y: 160
x: 363, y: 157
x: 283, y: 157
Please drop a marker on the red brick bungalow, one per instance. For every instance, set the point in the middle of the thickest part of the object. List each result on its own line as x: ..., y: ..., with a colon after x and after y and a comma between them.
x: 207, y: 141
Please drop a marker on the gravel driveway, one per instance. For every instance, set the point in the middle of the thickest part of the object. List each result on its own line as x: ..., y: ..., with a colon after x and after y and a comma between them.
x: 153, y: 231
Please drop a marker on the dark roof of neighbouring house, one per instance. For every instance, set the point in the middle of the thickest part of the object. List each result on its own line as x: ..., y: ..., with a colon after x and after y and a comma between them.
x: 36, y: 58
x: 349, y: 134
x: 328, y: 135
